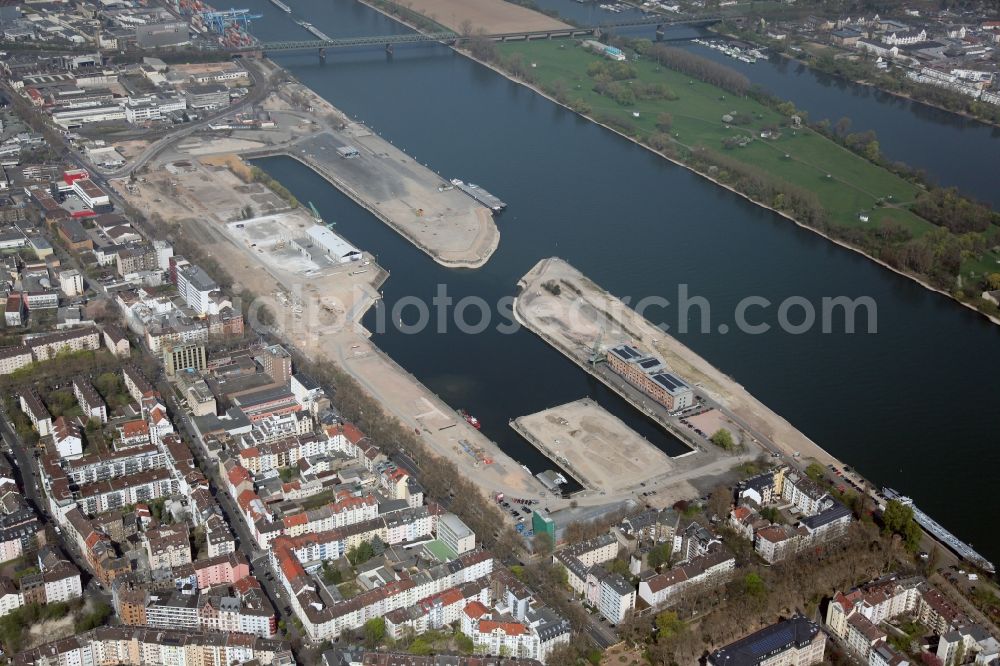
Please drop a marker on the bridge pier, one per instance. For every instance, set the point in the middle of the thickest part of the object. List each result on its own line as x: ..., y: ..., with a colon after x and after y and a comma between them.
x: 322, y: 54
x: 659, y: 32
x: 388, y: 49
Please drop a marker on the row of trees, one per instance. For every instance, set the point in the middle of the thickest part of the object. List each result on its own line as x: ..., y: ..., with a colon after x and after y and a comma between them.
x: 774, y: 192
x: 947, y: 208
x: 261, y: 176
x: 439, y: 476
x: 700, y: 68
x: 757, y: 595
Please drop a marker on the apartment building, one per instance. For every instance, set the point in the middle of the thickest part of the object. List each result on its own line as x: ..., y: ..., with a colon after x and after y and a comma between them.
x: 325, y: 618
x: 196, y: 287
x: 67, y: 438
x: 136, y: 646
x: 793, y: 642
x: 497, y: 633
x: 184, y: 356
x: 45, y: 347
x: 13, y: 359
x: 167, y: 547
x: 89, y: 400
x: 455, y: 534
x: 31, y: 404
x: 101, y: 496
x: 665, y: 588
x: 855, y: 616
x: 437, y: 610
x: 612, y: 595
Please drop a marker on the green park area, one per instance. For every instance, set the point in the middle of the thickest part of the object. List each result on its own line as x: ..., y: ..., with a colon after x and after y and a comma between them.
x: 709, y: 117
x: 845, y: 183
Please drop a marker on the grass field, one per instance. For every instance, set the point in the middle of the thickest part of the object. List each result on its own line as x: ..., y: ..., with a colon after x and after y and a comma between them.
x: 845, y: 183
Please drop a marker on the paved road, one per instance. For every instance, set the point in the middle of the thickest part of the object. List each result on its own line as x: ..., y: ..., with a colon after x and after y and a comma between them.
x: 599, y: 632
x: 261, y: 89
x: 31, y: 486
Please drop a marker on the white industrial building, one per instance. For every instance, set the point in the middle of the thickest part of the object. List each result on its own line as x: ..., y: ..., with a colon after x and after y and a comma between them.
x: 335, y: 246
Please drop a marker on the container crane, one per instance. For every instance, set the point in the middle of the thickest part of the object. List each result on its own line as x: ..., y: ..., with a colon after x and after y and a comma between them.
x: 219, y: 21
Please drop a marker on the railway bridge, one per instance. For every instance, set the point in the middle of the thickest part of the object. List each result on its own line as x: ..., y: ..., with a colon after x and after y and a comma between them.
x: 388, y: 42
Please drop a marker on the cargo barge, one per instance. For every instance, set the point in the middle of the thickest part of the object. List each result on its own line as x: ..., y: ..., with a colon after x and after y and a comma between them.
x: 480, y: 195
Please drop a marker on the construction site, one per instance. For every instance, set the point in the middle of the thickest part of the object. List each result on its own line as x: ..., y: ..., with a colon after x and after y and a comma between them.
x: 583, y: 321
x: 594, y: 446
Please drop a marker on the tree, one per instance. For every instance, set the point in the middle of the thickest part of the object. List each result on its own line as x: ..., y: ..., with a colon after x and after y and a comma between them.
x: 723, y: 439
x: 421, y: 646
x: 898, y: 519
x: 896, y: 516
x: 618, y: 566
x: 664, y: 121
x: 872, y: 151
x: 659, y: 555
x: 361, y: 553
x: 464, y: 643
x: 815, y: 472
x: 993, y: 281
x: 754, y: 586
x: 669, y: 625
x: 542, y: 544
x: 720, y: 500
x: 843, y: 126
x: 374, y: 632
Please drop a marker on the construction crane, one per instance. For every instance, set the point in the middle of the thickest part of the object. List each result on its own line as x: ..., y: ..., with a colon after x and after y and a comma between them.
x: 219, y: 21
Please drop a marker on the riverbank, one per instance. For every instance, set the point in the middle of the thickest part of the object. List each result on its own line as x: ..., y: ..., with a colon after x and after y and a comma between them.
x: 715, y: 180
x: 861, y: 82
x: 993, y: 318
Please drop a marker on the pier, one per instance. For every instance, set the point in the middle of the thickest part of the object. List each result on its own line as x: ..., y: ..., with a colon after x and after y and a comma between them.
x: 450, y: 227
x: 594, y: 446
x: 582, y: 320
x: 479, y: 194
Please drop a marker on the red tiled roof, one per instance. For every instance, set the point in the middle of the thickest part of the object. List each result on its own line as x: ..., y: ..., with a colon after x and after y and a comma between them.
x: 296, y: 519
x: 238, y: 474
x: 135, y: 428
x: 245, y: 498
x: 352, y: 433
x: 509, y: 628
x: 476, y: 609
x: 773, y: 534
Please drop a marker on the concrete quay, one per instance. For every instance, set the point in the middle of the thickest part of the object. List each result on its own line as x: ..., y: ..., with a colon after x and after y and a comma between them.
x: 578, y: 315
x: 593, y: 446
x: 450, y: 227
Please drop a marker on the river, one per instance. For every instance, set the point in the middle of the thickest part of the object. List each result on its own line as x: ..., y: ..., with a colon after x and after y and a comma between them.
x: 911, y: 406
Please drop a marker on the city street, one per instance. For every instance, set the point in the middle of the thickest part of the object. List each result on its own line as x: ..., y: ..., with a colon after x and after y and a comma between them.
x: 260, y: 564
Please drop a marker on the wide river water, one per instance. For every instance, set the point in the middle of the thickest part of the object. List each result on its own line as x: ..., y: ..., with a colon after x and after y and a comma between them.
x: 913, y: 406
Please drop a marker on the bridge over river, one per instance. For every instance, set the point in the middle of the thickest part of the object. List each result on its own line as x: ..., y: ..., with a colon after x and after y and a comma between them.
x: 451, y: 38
